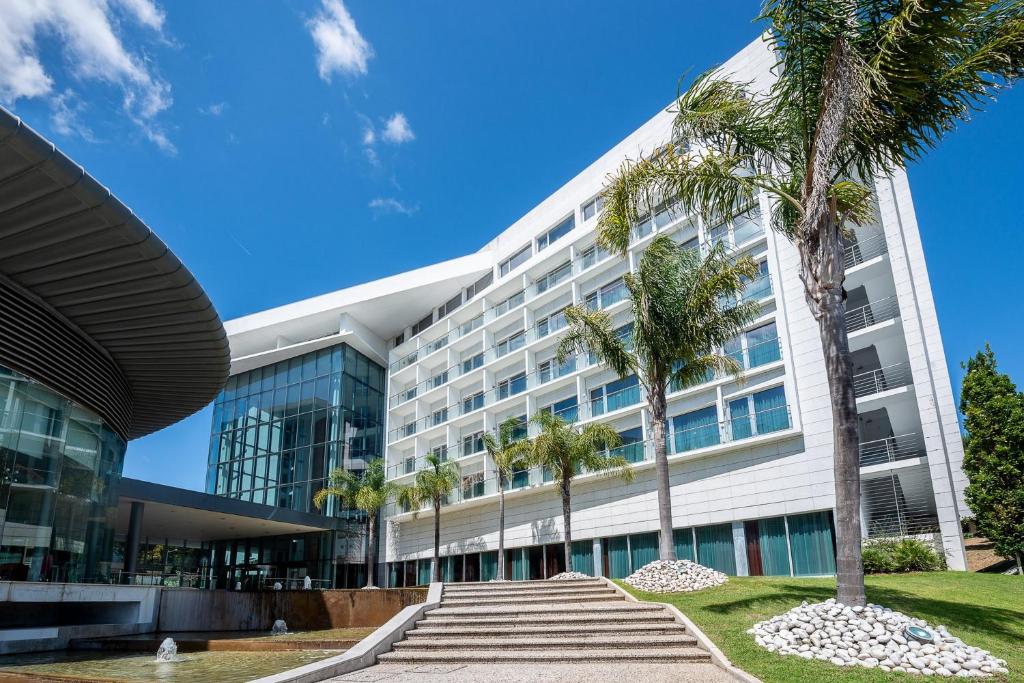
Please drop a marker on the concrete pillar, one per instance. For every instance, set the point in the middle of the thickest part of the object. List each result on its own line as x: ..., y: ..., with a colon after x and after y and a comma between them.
x: 739, y: 547
x: 598, y: 568
x: 131, y: 551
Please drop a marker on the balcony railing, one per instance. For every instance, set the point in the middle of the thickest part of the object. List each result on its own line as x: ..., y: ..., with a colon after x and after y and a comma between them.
x: 881, y: 379
x: 587, y: 258
x: 872, y: 314
x: 450, y: 452
x: 616, y: 400
x: 865, y: 250
x: 891, y: 449
x: 737, y: 428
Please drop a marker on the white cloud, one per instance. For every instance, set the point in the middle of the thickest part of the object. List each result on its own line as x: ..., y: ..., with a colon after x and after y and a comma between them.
x: 369, y: 136
x: 339, y: 45
x: 386, y: 205
x: 371, y: 156
x: 145, y: 12
x: 215, y: 109
x: 87, y: 31
x: 64, y: 116
x: 397, y: 130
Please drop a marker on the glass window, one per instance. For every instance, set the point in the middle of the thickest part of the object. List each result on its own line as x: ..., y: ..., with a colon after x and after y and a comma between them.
x: 592, y: 208
x: 696, y: 429
x: 449, y: 306
x: 514, y: 261
x: 480, y: 285
x: 552, y: 235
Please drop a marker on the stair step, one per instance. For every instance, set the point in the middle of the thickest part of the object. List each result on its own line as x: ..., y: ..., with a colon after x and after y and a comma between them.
x: 579, y: 590
x: 552, y: 600
x: 521, y: 585
x: 556, y: 655
x: 621, y: 620
x: 504, y: 629
x: 516, y: 642
x: 561, y: 611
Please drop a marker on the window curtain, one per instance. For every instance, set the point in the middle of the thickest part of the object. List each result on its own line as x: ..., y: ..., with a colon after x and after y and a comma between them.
x: 643, y: 549
x: 394, y: 579
x: 618, y: 558
x: 622, y: 393
x: 424, y: 572
x: 696, y: 430
x: 811, y: 540
x: 770, y: 409
x: 446, y: 569
x: 763, y: 345
x: 739, y: 419
x: 683, y: 539
x: 489, y: 566
x: 714, y: 548
x: 583, y: 557
x: 774, y: 549
x: 515, y: 558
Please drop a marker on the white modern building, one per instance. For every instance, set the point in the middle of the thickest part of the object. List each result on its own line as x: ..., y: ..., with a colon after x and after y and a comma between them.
x: 471, y: 342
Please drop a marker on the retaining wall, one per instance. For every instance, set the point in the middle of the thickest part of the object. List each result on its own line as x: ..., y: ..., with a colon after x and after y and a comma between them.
x: 183, y: 609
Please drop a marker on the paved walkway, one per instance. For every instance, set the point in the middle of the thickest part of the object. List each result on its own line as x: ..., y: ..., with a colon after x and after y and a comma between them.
x: 563, y: 673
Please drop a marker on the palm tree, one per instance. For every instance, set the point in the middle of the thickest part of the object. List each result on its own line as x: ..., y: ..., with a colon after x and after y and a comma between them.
x: 567, y: 451
x: 368, y: 492
x: 432, y: 484
x: 508, y: 455
x: 679, y: 319
x: 864, y: 86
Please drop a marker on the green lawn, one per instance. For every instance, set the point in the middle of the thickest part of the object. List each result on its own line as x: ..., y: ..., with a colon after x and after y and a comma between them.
x: 984, y: 610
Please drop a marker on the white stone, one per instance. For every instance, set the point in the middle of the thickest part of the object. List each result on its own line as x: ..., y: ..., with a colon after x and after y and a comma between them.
x: 871, y: 637
x: 681, y: 576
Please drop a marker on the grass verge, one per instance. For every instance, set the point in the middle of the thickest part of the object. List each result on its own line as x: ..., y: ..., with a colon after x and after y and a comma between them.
x: 985, y: 610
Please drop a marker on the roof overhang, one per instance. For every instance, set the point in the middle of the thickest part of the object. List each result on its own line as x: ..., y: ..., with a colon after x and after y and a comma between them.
x: 364, y: 315
x: 93, y: 269
x: 175, y: 513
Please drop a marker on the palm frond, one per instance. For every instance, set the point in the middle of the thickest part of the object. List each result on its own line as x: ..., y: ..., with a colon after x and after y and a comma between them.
x: 591, y: 331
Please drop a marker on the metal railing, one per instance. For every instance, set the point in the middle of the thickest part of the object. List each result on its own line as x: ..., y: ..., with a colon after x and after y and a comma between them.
x: 881, y: 379
x: 587, y: 259
x: 891, y: 449
x: 899, y: 504
x: 865, y: 250
x: 872, y: 313
x: 737, y: 428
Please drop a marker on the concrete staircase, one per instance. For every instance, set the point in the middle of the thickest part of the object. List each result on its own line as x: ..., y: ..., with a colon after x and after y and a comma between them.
x: 544, y: 622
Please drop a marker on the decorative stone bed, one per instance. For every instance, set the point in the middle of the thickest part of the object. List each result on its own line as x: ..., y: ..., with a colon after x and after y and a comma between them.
x: 674, y: 576
x: 569, y: 576
x: 872, y: 637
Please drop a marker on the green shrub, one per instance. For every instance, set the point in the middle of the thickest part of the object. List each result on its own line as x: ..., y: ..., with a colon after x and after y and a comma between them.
x: 878, y: 559
x: 886, y: 556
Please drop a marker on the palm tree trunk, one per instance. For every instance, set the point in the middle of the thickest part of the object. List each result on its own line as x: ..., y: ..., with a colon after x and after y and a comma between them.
x: 567, y: 521
x: 849, y: 566
x: 371, y: 561
x: 501, y: 530
x: 435, y: 572
x: 659, y: 422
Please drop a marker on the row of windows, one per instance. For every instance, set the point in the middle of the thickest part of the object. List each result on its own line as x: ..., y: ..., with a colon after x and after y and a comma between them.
x: 310, y: 366
x: 362, y: 405
x: 793, y: 545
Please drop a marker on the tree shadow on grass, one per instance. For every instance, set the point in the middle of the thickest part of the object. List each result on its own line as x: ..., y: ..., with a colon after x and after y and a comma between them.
x: 1005, y: 622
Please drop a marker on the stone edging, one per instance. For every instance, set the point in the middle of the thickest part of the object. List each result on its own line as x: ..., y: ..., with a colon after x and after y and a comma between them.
x: 717, y: 656
x: 366, y: 651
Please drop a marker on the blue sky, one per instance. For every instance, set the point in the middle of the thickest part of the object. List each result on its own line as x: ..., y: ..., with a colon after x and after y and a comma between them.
x: 285, y: 149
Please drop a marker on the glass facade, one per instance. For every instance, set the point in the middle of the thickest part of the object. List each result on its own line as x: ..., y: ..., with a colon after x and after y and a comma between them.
x: 59, y: 471
x: 278, y: 431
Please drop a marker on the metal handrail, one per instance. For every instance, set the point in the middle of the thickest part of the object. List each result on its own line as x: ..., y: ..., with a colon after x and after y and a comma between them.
x: 872, y: 313
x: 865, y: 250
x: 881, y: 379
x: 891, y: 449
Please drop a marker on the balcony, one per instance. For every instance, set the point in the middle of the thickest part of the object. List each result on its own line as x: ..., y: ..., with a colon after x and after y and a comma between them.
x: 881, y: 379
x: 891, y: 449
x: 607, y: 403
x: 451, y: 452
x: 865, y: 250
x: 871, y: 314
x: 738, y: 428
